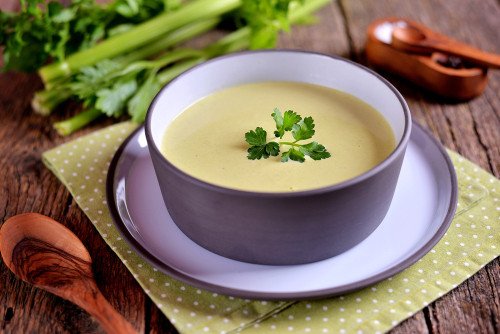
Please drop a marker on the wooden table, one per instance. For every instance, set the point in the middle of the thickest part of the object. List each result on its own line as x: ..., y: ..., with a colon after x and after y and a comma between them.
x: 471, y: 128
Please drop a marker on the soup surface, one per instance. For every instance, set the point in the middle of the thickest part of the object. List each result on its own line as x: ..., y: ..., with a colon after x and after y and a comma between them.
x: 207, y: 140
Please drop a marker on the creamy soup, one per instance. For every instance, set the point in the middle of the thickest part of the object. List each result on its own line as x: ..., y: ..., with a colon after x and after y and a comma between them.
x: 207, y: 140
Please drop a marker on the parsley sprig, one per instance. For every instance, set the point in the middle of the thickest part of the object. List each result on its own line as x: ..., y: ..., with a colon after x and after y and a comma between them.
x: 301, y: 129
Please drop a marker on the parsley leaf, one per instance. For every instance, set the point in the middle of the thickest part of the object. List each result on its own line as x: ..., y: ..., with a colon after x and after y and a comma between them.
x: 301, y: 129
x: 304, y: 129
x: 284, y: 123
x: 257, y: 152
x: 260, y: 147
x: 293, y: 155
x: 286, y: 155
x: 257, y: 137
x: 273, y: 148
x: 315, y: 151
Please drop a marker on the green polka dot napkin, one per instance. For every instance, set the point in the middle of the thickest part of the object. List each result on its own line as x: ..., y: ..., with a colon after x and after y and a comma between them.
x: 471, y: 242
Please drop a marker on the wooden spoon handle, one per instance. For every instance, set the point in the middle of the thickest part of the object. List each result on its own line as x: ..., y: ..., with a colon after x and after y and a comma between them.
x: 95, y: 304
x: 426, y: 40
x: 464, y: 51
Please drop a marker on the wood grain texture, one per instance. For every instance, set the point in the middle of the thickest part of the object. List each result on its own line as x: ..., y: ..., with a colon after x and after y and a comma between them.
x: 471, y: 128
x: 43, y: 252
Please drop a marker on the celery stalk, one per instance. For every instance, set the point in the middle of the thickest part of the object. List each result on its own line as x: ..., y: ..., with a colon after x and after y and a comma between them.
x: 44, y: 101
x: 186, y: 58
x: 239, y: 40
x: 142, y: 34
x: 166, y: 75
x: 175, y: 37
x: 67, y: 127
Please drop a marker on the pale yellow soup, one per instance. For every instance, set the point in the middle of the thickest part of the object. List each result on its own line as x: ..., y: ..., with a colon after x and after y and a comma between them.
x: 207, y: 140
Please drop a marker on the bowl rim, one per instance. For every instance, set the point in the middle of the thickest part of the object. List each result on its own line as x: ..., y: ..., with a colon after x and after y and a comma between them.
x: 399, y: 149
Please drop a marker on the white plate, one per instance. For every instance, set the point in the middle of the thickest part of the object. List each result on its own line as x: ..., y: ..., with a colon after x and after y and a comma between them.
x: 421, y: 211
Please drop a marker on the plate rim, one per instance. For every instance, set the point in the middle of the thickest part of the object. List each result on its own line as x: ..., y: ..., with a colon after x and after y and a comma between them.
x: 145, y: 254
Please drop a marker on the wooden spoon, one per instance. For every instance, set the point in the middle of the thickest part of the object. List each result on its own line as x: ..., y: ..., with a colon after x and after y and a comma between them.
x: 48, y: 255
x: 414, y: 37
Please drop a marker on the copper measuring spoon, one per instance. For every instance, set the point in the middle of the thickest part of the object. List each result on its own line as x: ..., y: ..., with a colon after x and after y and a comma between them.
x: 418, y: 38
x: 48, y: 255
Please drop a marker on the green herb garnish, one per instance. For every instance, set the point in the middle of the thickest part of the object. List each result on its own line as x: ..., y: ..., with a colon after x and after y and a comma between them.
x: 301, y: 129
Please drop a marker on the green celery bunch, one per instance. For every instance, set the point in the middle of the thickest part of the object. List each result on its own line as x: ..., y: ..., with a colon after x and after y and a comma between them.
x: 131, y: 48
x: 43, y: 31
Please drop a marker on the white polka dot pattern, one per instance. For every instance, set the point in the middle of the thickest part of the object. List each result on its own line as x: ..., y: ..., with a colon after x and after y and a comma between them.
x: 470, y: 243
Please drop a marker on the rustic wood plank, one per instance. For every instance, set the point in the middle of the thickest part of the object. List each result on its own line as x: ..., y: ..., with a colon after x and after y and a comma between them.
x: 327, y: 36
x: 473, y: 310
x: 470, y: 128
x: 27, y: 186
x: 416, y: 324
x: 158, y: 323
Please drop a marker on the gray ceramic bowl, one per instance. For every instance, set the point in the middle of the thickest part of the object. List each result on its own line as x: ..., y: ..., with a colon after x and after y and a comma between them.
x: 246, y: 226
